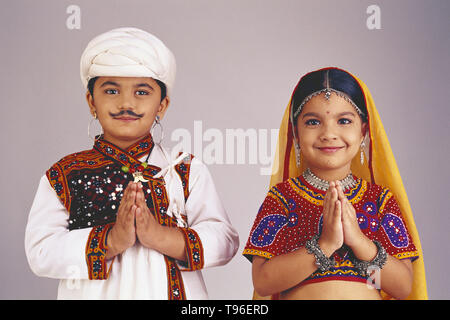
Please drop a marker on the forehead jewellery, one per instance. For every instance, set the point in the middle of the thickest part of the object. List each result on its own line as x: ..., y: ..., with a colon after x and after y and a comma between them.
x: 328, y: 92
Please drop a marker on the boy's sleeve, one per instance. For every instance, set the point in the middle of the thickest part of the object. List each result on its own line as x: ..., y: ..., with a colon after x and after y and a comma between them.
x: 210, y: 238
x: 267, y: 236
x: 51, y: 249
x: 393, y: 232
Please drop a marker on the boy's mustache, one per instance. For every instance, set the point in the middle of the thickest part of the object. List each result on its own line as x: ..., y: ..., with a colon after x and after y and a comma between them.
x: 129, y: 112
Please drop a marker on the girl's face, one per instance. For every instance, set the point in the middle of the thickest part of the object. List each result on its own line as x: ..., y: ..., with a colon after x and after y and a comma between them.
x: 126, y: 107
x: 330, y: 134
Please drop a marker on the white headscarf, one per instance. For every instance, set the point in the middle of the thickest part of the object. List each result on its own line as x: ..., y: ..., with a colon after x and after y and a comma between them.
x: 128, y: 52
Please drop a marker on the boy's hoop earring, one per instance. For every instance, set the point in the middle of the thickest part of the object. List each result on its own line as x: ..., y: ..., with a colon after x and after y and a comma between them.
x: 157, y: 123
x: 89, y: 127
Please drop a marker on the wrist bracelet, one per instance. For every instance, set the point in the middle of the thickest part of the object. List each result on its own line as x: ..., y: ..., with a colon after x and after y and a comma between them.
x: 379, y: 261
x: 322, y: 261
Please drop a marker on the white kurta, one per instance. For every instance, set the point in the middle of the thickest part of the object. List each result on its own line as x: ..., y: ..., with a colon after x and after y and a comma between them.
x: 138, y: 273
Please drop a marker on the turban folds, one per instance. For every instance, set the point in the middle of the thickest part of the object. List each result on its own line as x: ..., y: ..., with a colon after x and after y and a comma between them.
x: 128, y: 52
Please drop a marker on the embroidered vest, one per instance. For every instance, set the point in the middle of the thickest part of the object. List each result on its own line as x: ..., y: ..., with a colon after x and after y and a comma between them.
x: 90, y: 184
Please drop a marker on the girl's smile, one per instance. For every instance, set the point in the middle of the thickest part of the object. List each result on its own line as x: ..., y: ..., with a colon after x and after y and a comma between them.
x: 329, y: 149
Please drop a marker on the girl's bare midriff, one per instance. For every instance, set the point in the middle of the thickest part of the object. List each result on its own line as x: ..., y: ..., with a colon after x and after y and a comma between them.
x: 331, y: 290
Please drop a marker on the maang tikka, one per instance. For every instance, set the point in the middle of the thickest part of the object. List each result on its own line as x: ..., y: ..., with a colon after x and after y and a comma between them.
x: 327, y: 89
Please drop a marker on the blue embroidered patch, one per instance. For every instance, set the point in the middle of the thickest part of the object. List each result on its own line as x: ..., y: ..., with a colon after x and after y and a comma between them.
x: 370, y: 208
x: 264, y: 234
x: 368, y: 218
x: 362, y: 220
x: 395, y: 230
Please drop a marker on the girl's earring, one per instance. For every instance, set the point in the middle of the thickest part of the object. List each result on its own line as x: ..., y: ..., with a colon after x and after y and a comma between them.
x: 297, y: 154
x: 89, y: 128
x: 157, y: 123
x: 363, y: 145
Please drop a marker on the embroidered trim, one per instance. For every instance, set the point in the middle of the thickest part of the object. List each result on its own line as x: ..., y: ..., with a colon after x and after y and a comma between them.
x: 160, y: 203
x: 183, y: 169
x: 343, y: 270
x: 129, y: 157
x: 249, y: 253
x: 338, y: 276
x: 274, y: 193
x: 96, y: 249
x: 383, y: 199
x: 141, y: 147
x: 58, y: 181
x: 175, y: 286
x: 354, y: 194
x: 413, y: 255
x: 194, y: 250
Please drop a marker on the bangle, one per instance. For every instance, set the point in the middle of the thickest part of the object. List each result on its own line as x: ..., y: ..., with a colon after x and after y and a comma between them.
x: 379, y: 261
x: 322, y: 261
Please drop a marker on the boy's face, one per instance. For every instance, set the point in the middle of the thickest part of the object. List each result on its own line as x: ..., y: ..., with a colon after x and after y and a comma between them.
x: 126, y: 107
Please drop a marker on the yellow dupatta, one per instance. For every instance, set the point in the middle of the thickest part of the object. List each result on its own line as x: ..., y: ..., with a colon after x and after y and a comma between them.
x: 379, y: 167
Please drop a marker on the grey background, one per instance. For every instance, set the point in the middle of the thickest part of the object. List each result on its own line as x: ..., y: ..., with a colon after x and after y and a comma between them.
x: 238, y: 62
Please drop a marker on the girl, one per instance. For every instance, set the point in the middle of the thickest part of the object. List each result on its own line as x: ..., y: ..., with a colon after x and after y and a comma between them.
x: 125, y: 220
x: 336, y: 222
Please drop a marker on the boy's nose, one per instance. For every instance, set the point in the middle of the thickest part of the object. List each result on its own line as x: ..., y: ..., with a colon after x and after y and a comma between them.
x: 127, y: 102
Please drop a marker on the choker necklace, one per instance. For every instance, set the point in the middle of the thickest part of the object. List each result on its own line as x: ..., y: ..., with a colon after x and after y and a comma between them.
x: 347, y: 183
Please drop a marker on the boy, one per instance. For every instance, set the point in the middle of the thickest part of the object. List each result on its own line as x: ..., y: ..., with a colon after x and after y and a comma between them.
x: 124, y: 220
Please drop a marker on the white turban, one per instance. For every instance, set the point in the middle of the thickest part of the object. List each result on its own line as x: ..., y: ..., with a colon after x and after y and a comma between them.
x: 128, y: 52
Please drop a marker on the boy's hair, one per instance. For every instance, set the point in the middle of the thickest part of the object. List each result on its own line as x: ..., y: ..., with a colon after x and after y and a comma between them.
x: 161, y: 84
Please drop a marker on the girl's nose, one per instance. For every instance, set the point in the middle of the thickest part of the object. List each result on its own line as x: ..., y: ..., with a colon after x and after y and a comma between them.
x: 328, y: 133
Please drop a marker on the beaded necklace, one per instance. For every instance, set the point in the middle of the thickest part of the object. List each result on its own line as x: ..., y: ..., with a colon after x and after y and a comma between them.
x: 347, y: 183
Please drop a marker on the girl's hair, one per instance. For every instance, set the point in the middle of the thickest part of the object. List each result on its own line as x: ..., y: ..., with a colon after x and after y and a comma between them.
x: 337, y: 79
x: 91, y: 84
